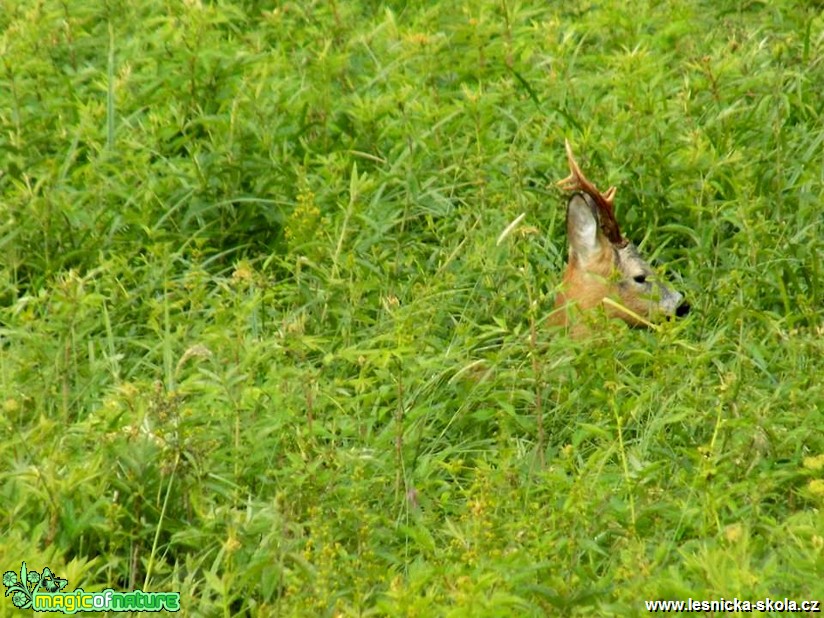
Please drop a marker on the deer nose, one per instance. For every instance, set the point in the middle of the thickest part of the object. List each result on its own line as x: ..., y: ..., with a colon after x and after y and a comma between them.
x: 682, y: 309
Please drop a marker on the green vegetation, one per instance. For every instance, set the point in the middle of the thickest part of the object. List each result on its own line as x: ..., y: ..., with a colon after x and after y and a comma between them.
x: 259, y: 342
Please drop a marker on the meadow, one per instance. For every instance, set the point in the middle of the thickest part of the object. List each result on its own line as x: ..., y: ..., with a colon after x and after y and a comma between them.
x: 262, y: 341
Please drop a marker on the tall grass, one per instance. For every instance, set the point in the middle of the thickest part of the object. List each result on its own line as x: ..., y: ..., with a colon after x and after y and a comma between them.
x: 261, y: 345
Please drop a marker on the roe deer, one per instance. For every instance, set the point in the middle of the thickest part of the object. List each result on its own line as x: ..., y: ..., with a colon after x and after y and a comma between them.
x: 605, y: 269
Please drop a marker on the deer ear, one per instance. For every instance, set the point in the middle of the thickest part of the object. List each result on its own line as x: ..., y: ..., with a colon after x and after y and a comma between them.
x: 582, y: 228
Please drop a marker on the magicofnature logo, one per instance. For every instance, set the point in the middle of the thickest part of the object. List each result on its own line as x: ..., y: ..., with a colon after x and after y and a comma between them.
x: 22, y: 590
x: 43, y: 592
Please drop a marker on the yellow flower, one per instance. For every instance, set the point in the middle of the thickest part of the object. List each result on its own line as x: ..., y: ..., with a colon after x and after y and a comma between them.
x: 816, y: 487
x: 814, y: 463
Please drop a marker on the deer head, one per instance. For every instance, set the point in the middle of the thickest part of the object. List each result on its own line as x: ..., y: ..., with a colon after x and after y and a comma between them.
x: 605, y: 270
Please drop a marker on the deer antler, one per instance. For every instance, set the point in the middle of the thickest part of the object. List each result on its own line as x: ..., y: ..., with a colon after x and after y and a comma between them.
x: 576, y: 181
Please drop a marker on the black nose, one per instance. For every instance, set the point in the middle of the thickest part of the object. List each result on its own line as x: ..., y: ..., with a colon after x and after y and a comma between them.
x: 682, y: 309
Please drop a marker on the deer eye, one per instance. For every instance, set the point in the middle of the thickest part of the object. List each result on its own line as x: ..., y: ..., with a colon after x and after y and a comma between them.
x: 640, y: 278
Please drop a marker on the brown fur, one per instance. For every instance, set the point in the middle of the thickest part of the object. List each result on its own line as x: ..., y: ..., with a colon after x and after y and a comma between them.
x: 605, y: 275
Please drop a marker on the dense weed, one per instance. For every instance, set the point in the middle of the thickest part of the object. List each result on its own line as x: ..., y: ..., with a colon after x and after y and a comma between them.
x: 260, y: 343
